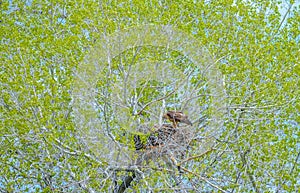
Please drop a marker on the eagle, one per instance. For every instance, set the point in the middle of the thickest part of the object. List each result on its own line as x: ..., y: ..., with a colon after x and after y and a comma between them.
x: 177, y: 116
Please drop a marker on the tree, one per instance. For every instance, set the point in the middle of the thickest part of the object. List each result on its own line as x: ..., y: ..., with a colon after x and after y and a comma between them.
x: 63, y: 130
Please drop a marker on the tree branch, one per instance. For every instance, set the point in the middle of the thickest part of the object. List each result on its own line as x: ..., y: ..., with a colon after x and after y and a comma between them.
x: 204, y: 179
x: 195, y: 157
x: 126, y: 183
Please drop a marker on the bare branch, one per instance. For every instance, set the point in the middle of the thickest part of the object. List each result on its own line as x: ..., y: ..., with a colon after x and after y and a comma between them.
x: 204, y: 179
x: 195, y: 157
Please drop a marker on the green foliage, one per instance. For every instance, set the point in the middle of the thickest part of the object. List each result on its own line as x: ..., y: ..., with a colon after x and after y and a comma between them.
x: 256, y: 49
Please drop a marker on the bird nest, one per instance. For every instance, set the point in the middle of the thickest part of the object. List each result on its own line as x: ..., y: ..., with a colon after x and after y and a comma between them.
x: 166, y: 140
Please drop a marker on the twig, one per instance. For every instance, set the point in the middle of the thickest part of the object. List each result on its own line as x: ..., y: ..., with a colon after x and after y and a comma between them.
x: 204, y: 179
x: 159, y: 99
x: 283, y: 19
x: 195, y: 157
x: 295, y: 163
x: 243, y: 155
x: 70, y: 151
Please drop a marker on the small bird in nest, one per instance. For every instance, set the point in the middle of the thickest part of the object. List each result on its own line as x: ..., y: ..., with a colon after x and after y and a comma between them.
x: 177, y: 117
